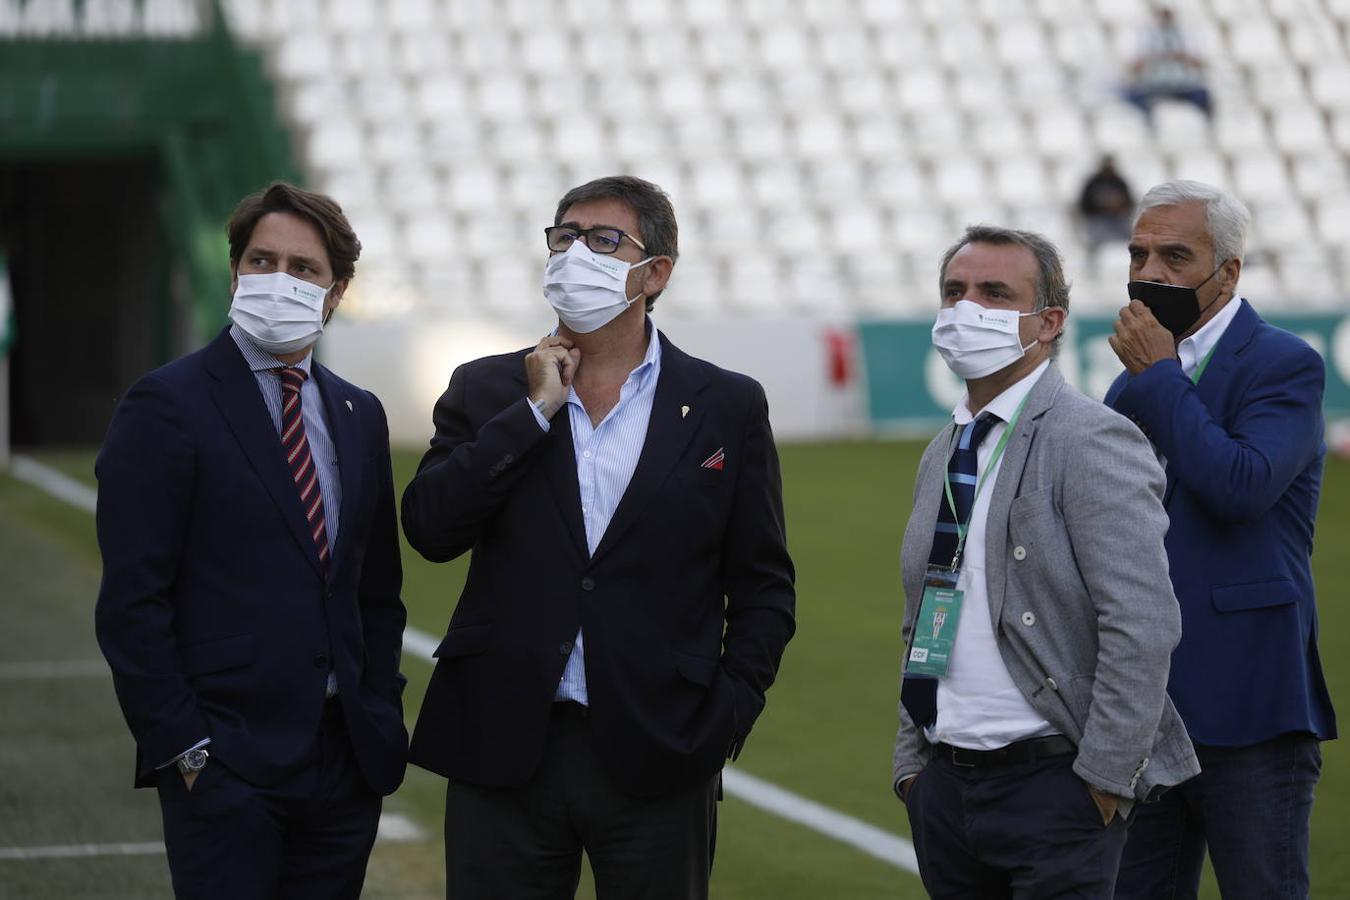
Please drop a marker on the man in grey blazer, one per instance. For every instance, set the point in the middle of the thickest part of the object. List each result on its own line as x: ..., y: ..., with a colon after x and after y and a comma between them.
x: 1039, y: 617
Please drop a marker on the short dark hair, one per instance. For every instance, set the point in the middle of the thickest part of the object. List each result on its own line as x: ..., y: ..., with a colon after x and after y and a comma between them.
x: 1052, y: 289
x: 320, y: 209
x: 655, y: 216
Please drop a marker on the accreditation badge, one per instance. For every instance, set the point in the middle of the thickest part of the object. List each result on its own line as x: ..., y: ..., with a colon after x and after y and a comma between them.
x: 930, y: 650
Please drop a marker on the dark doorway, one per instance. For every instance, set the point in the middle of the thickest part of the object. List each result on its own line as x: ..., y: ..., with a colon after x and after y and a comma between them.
x: 89, y: 273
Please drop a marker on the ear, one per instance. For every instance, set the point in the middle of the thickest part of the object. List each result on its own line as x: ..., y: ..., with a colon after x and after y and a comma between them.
x: 1228, y: 276
x: 1052, y: 323
x: 653, y: 276
x: 334, y: 297
x: 234, y: 276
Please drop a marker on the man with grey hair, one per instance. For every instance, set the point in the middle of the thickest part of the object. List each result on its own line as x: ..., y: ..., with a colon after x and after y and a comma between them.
x: 1234, y: 408
x: 1038, y: 616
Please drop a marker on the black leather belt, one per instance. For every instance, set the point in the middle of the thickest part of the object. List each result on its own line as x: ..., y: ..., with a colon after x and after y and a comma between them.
x: 1019, y: 752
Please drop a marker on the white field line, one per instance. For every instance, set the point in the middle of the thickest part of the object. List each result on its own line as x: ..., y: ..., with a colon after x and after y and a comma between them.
x: 40, y: 670
x: 58, y: 484
x: 394, y: 828
x: 890, y: 848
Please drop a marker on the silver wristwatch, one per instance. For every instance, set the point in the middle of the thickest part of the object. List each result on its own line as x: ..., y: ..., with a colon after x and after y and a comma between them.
x: 192, y: 761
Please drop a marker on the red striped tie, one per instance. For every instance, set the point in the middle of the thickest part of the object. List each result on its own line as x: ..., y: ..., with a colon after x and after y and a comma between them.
x: 301, y: 459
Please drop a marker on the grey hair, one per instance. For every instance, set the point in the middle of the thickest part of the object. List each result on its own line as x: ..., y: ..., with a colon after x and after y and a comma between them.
x: 1225, y: 215
x: 1052, y: 289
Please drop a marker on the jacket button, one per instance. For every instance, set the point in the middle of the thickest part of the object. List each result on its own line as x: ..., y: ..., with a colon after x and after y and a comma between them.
x: 1028, y: 618
x: 320, y: 661
x: 1019, y: 553
x: 565, y: 648
x: 588, y: 583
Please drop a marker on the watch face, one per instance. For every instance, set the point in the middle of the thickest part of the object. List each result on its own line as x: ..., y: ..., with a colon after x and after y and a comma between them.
x: 195, y: 759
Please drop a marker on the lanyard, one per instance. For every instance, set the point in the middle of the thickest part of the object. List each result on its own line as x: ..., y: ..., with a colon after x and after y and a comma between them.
x: 964, y: 529
x: 1204, y: 364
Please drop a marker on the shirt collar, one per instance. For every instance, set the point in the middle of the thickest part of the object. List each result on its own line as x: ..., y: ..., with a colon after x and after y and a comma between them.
x: 1005, y: 404
x: 1197, y: 346
x: 651, y: 362
x: 260, y: 360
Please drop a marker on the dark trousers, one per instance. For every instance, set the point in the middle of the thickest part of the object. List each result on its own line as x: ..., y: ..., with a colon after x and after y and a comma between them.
x: 526, y: 843
x: 1145, y: 98
x: 1019, y: 830
x: 309, y: 836
x: 1251, y: 805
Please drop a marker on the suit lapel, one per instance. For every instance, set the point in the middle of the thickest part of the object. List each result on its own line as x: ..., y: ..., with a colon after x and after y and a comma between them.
x: 562, y: 476
x: 669, y: 430
x: 1218, y: 374
x: 240, y: 402
x: 1009, y: 479
x: 340, y: 409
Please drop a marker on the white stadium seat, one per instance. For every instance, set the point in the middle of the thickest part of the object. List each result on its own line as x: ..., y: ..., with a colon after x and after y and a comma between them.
x: 862, y: 134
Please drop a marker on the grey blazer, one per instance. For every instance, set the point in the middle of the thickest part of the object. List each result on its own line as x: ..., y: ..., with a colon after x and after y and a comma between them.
x: 1079, y: 593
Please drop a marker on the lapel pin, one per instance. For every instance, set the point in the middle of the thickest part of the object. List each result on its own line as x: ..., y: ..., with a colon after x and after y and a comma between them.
x: 349, y: 406
x: 684, y: 411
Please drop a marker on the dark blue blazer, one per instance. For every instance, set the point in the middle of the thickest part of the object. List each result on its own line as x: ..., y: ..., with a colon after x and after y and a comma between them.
x: 687, y: 603
x: 213, y: 612
x: 1244, y: 453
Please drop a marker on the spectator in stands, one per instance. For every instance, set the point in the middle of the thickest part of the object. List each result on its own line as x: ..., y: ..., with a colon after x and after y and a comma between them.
x: 630, y: 594
x: 1034, y: 712
x: 250, y: 605
x: 1105, y: 205
x: 1167, y: 68
x: 1234, y: 407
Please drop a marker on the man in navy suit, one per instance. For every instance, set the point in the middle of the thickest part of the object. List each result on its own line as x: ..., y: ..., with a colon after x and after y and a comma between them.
x: 1234, y: 408
x: 250, y: 606
x: 630, y: 592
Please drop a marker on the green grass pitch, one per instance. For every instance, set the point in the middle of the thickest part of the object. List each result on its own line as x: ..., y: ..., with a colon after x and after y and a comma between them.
x: 65, y: 757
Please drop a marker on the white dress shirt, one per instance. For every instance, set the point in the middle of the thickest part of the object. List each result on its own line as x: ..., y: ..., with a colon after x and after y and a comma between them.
x: 606, y: 455
x: 1196, y: 347
x: 978, y: 704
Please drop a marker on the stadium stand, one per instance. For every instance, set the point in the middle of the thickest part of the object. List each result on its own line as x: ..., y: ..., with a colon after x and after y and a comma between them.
x: 821, y: 153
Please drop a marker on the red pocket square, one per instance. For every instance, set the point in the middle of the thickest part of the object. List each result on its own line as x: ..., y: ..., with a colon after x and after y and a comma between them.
x: 715, y: 461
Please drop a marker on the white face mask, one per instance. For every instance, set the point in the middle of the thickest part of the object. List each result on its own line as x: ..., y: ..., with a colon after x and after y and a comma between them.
x: 279, y: 312
x: 975, y: 342
x: 586, y: 289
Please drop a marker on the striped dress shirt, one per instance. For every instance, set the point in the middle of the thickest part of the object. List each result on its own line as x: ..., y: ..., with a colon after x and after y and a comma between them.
x: 606, y: 456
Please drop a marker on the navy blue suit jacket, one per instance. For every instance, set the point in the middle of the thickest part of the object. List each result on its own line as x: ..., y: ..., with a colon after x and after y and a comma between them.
x: 213, y: 612
x: 687, y: 603
x: 1244, y: 453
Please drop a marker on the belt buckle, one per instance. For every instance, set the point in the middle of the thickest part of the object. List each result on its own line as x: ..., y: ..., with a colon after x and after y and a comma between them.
x: 956, y: 756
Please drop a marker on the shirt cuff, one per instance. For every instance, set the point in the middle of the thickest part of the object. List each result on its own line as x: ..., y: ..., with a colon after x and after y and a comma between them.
x: 538, y: 416
x: 197, y: 746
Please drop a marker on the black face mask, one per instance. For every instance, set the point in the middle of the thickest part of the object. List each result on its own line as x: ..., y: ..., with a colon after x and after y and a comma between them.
x: 1176, y: 308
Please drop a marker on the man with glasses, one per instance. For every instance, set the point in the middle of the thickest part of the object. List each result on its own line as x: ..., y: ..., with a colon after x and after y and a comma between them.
x: 630, y: 592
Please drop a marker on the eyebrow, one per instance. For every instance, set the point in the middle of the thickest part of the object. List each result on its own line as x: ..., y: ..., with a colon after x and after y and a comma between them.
x: 273, y: 254
x: 1163, y: 248
x: 593, y: 227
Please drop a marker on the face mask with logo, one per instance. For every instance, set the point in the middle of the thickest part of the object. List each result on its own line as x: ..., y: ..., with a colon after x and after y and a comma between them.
x: 586, y: 289
x: 1176, y: 307
x: 279, y: 312
x: 975, y: 342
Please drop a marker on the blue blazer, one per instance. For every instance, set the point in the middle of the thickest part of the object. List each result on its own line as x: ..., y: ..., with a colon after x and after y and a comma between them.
x: 1244, y: 453
x: 687, y: 603
x: 213, y: 612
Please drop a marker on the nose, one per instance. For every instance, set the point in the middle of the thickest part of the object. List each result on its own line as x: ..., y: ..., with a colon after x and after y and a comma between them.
x: 1152, y: 269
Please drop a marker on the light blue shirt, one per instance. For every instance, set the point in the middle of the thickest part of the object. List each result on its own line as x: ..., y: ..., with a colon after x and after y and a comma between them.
x: 606, y: 456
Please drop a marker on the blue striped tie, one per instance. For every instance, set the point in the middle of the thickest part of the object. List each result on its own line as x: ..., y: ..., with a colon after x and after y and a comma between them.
x: 919, y: 692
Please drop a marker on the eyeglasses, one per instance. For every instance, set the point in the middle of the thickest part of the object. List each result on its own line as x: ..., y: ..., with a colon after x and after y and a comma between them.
x: 601, y: 239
